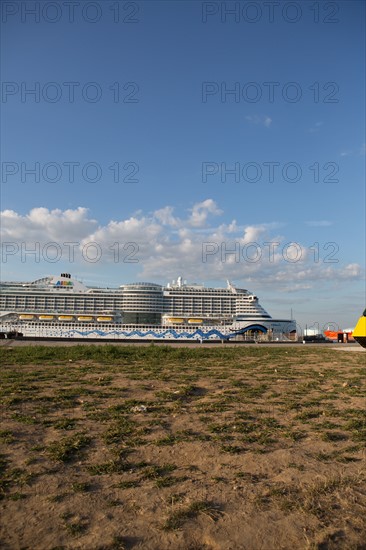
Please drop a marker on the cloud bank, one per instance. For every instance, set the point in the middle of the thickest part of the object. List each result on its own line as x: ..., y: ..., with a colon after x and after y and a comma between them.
x: 162, y: 245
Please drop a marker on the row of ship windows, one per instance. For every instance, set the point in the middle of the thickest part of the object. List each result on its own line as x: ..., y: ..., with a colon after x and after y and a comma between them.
x: 173, y: 312
x: 93, y: 326
x: 61, y: 304
x: 5, y: 299
x: 122, y: 298
x: 40, y: 326
x: 115, y: 305
x: 139, y: 307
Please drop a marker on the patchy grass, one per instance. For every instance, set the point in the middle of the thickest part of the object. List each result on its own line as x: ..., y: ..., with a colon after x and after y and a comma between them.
x: 161, y: 447
x: 178, y: 517
x: 68, y: 448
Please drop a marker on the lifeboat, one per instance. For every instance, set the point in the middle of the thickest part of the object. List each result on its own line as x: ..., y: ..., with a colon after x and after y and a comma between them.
x: 85, y: 318
x: 45, y: 317
x: 195, y: 321
x: 359, y: 333
x: 175, y: 320
x: 104, y: 319
x: 65, y: 317
x: 26, y: 317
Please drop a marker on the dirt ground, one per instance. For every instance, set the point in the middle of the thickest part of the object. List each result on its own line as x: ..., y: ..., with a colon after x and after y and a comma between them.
x: 119, y: 447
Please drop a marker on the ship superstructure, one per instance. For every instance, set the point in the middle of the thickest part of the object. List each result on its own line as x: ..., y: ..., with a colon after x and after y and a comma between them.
x: 67, y: 306
x: 221, y: 304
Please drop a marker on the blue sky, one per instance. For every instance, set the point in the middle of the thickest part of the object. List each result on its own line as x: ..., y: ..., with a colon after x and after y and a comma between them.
x: 174, y: 131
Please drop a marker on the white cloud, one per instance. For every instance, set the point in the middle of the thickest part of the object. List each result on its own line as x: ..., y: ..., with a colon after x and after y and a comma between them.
x: 351, y: 152
x: 165, y: 216
x: 42, y: 223
x: 132, y: 229
x: 263, y: 120
x: 201, y: 211
x: 350, y: 271
x: 316, y: 127
x: 166, y: 246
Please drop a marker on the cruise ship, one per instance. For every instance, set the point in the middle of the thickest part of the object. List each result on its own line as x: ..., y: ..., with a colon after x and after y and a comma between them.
x: 61, y: 307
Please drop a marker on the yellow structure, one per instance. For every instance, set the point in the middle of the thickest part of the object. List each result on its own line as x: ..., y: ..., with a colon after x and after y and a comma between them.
x: 359, y: 334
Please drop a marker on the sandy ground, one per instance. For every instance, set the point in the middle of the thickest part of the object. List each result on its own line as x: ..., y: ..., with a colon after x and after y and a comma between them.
x: 255, y: 448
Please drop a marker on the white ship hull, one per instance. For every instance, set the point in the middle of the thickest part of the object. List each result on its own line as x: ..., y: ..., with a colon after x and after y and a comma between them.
x: 237, y: 331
